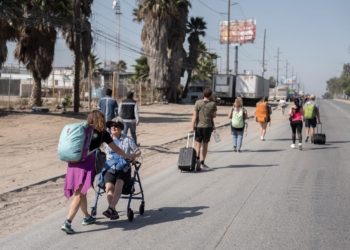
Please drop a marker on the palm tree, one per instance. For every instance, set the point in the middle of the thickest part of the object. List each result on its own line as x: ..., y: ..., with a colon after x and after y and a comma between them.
x: 195, y: 27
x: 121, y: 66
x: 36, y: 45
x: 94, y: 66
x: 141, y: 69
x: 157, y: 16
x: 10, y: 11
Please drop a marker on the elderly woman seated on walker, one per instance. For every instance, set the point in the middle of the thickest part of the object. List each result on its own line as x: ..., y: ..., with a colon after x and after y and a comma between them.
x: 118, y: 169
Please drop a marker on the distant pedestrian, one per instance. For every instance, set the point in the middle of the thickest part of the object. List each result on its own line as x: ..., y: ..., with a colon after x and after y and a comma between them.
x: 129, y: 111
x: 283, y: 105
x: 238, y: 115
x: 312, y: 117
x: 80, y: 175
x: 203, y: 125
x: 263, y: 114
x: 296, y: 123
x: 108, y: 106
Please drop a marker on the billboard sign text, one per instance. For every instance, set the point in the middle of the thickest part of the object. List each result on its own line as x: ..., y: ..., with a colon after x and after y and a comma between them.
x: 241, y: 31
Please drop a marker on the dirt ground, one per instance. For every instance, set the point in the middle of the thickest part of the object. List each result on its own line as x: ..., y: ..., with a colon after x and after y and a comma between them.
x: 32, y: 176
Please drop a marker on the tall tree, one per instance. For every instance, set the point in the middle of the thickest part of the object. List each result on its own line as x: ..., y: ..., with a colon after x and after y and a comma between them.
x: 121, y: 65
x: 176, y: 51
x: 157, y: 16
x: 141, y: 69
x: 195, y: 27
x: 35, y: 47
x: 10, y: 12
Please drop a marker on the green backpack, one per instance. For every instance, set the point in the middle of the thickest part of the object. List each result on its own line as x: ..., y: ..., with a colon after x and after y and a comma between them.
x: 237, y: 120
x: 309, y: 110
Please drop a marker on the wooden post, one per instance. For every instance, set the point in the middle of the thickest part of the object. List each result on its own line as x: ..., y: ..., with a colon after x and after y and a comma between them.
x: 53, y: 82
x: 113, y: 84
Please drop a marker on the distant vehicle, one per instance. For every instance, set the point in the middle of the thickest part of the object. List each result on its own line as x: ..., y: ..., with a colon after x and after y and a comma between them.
x: 272, y: 94
x: 250, y: 87
x: 195, y: 91
x: 282, y: 92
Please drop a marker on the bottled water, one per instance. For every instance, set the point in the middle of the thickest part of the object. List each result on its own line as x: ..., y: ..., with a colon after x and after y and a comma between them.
x: 216, y: 136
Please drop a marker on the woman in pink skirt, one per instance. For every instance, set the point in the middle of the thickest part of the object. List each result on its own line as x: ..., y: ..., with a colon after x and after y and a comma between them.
x: 80, y: 175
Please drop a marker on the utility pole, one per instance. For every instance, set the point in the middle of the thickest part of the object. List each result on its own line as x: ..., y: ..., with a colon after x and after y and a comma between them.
x: 292, y: 77
x: 278, y: 61
x: 263, y: 62
x: 116, y: 7
x: 77, y: 21
x: 236, y: 60
x: 228, y: 39
x: 286, y: 71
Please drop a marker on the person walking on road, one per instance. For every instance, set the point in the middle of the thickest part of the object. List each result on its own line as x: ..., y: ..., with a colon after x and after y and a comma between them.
x: 129, y: 111
x: 296, y: 122
x: 119, y: 170
x: 263, y: 125
x: 283, y: 105
x: 80, y: 175
x: 203, y: 125
x: 108, y: 106
x: 238, y: 115
x: 311, y: 116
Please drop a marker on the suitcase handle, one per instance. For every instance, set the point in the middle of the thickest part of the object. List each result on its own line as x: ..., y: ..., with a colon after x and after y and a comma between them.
x: 317, y: 127
x: 188, y: 138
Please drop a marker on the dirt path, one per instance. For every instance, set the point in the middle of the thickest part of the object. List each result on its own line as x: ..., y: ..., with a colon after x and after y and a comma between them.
x: 28, y: 151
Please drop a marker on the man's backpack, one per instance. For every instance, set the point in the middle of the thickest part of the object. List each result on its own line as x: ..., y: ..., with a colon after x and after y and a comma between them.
x: 237, y: 120
x: 74, y: 142
x: 262, y: 112
x: 309, y: 110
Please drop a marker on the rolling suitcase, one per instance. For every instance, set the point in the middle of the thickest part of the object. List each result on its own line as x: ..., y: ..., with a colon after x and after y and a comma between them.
x: 187, y: 156
x: 319, y: 138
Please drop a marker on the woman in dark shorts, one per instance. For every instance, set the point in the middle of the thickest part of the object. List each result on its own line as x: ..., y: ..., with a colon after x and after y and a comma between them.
x: 80, y: 175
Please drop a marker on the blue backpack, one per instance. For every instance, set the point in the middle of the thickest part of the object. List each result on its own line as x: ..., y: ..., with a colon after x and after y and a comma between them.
x: 74, y: 142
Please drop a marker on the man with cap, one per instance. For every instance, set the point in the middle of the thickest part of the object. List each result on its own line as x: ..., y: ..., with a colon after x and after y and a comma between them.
x: 129, y: 112
x: 119, y: 171
x: 108, y: 106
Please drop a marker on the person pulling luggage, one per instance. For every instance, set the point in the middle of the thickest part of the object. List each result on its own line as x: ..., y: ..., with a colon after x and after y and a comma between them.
x: 296, y: 122
x: 202, y: 123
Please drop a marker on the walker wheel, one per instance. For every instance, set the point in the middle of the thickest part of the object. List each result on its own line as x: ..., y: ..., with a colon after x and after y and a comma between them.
x: 93, y: 212
x: 130, y: 215
x: 142, y: 208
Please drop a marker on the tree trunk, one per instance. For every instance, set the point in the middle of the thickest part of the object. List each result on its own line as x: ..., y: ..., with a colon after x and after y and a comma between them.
x: 3, y: 52
x: 155, y: 42
x: 35, y: 98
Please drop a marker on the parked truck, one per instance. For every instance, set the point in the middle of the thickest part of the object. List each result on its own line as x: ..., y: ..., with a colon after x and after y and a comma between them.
x: 250, y: 87
x: 272, y: 94
x: 282, y: 92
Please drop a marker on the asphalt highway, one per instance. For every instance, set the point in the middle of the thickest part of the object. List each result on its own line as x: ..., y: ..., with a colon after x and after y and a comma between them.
x: 270, y: 196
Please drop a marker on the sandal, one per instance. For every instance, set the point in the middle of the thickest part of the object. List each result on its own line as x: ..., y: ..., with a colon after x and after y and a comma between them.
x: 108, y: 212
x: 114, y: 214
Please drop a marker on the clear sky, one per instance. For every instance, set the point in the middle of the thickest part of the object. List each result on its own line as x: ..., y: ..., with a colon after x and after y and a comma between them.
x: 313, y: 35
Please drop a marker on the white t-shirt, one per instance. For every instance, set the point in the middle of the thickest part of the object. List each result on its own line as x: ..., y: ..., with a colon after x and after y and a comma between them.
x: 282, y: 102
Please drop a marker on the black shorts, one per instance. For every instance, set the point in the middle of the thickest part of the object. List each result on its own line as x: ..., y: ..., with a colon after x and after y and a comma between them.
x: 311, y: 123
x: 120, y: 174
x: 203, y: 134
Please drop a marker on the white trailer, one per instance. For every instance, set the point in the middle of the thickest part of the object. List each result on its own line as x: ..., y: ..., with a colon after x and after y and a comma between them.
x: 282, y: 92
x: 252, y: 88
x: 223, y: 87
x: 272, y: 94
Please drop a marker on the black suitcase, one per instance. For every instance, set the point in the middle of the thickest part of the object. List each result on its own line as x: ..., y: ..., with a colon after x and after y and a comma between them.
x: 187, y: 156
x: 319, y: 138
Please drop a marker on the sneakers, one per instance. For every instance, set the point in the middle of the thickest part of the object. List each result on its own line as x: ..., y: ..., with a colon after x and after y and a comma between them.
x: 88, y: 221
x: 262, y: 138
x: 67, y: 228
x: 300, y: 146
x: 204, y: 166
x: 292, y: 146
x: 312, y: 141
x: 234, y: 149
x: 307, y: 139
x: 239, y: 151
x: 198, y: 165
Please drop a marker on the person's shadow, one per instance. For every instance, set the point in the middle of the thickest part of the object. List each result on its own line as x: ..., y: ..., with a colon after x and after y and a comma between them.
x: 149, y: 218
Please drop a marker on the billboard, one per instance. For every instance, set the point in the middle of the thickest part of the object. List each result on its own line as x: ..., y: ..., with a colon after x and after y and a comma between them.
x: 241, y: 31
x: 288, y: 80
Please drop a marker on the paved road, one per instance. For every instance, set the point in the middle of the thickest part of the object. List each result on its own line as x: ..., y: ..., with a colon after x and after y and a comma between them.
x: 268, y: 197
